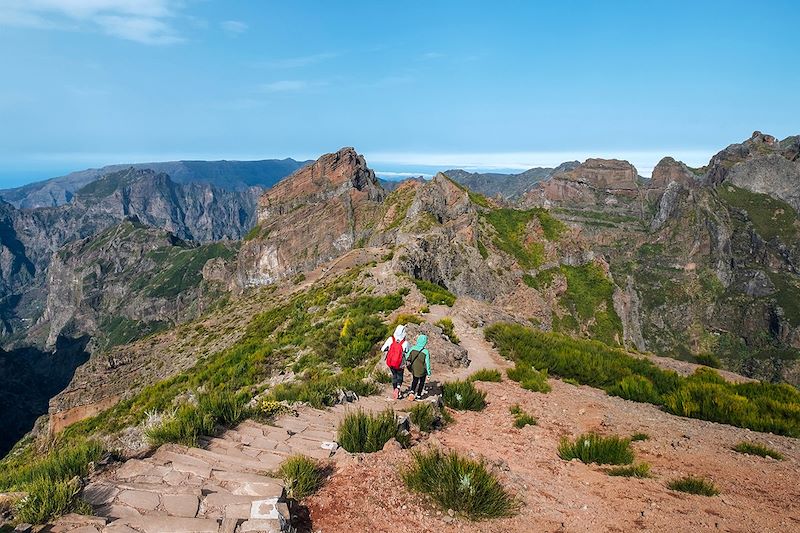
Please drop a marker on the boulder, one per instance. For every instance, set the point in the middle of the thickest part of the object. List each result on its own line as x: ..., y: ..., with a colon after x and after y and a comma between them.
x: 443, y: 352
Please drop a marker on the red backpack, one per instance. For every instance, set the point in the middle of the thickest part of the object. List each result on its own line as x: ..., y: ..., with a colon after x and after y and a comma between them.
x: 394, y: 358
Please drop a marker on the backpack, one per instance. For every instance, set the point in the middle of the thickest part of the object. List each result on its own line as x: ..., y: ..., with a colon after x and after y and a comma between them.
x: 412, y: 357
x: 394, y: 358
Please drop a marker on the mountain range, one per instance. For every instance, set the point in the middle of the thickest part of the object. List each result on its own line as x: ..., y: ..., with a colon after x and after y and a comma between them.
x: 696, y: 264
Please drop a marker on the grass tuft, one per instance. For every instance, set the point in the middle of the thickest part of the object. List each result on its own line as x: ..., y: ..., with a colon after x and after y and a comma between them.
x: 47, y: 499
x: 639, y: 437
x: 693, y: 485
x: 463, y: 396
x: 302, y: 476
x: 446, y: 325
x: 593, y: 448
x: 486, y: 375
x: 751, y: 448
x: 458, y: 483
x: 521, y: 418
x: 529, y: 378
x: 423, y: 415
x: 435, y: 294
x: 361, y: 432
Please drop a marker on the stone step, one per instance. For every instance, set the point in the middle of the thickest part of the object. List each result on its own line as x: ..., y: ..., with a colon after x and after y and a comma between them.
x: 182, y: 461
x: 161, y: 524
x: 264, y: 462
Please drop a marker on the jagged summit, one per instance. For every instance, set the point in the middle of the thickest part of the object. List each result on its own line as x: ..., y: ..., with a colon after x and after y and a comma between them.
x: 327, y: 176
x: 668, y: 170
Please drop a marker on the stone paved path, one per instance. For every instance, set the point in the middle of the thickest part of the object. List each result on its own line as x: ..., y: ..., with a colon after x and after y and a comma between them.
x: 222, y: 485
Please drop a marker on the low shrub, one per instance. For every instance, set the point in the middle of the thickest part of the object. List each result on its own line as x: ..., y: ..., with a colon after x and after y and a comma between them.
x: 759, y: 406
x: 301, y: 476
x: 319, y: 389
x: 458, y: 483
x: 47, y: 499
x: 486, y: 375
x: 435, y: 294
x: 708, y: 359
x: 268, y: 409
x: 594, y: 448
x: 423, y: 415
x: 693, y: 485
x: 752, y: 448
x: 521, y: 418
x: 188, y: 423
x: 60, y: 464
x: 639, y: 437
x: 446, y: 325
x: 381, y: 376
x: 636, y: 388
x: 404, y: 319
x: 463, y: 396
x: 641, y: 470
x: 529, y: 378
x: 224, y: 407
x: 363, y: 432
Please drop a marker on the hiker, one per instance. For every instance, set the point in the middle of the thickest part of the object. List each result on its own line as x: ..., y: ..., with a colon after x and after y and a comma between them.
x: 396, y: 348
x: 419, y: 363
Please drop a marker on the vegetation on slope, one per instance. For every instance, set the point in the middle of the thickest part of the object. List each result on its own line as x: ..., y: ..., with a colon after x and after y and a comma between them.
x: 512, y: 236
x: 435, y: 294
x: 361, y: 432
x: 705, y: 395
x: 458, y: 483
x: 771, y: 217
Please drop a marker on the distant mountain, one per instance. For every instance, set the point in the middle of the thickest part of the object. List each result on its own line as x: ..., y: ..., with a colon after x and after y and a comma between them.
x: 508, y: 186
x: 390, y: 185
x: 227, y: 175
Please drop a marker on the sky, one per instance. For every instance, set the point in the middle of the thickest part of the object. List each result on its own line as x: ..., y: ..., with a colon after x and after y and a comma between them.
x: 415, y: 86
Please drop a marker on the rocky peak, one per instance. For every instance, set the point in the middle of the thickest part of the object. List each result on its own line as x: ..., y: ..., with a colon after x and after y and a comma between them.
x: 603, y: 174
x: 328, y: 176
x: 443, y: 198
x: 759, y: 145
x: 668, y: 170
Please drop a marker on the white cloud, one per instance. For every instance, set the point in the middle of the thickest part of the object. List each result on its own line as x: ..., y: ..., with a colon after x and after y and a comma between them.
x: 234, y: 26
x: 290, y: 86
x: 143, y: 21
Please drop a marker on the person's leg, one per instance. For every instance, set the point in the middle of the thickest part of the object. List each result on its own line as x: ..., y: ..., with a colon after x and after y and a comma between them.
x: 397, y: 377
x: 420, y: 386
x: 414, y: 385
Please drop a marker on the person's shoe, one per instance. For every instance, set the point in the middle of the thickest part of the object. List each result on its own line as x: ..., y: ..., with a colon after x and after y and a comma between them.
x: 410, y: 396
x: 396, y: 393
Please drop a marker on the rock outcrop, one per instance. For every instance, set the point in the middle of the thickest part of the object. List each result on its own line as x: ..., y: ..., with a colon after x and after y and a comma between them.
x: 668, y: 170
x: 315, y: 215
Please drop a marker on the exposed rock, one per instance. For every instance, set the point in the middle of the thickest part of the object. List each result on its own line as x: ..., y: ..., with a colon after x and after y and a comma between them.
x: 668, y: 170
x: 443, y: 352
x: 313, y: 216
x: 667, y: 204
x: 603, y: 174
x: 770, y: 174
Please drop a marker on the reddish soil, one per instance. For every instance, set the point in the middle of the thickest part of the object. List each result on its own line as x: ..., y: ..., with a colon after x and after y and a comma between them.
x: 757, y: 494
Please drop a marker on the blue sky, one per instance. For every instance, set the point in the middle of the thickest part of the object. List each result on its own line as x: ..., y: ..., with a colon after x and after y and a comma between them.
x: 415, y: 86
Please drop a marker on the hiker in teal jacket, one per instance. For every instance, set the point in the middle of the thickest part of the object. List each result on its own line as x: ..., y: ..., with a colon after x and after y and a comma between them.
x: 419, y: 363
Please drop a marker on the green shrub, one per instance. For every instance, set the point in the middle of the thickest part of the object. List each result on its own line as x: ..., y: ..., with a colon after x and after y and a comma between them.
x: 463, y: 396
x: 708, y: 359
x: 458, y: 483
x: 423, y: 415
x: 62, y: 463
x: 705, y: 395
x: 446, y: 325
x: 381, y: 376
x: 301, y: 476
x: 435, y: 294
x: 193, y: 421
x: 641, y: 470
x: 357, y: 339
x: 693, y: 485
x: 529, y: 378
x: 751, y: 448
x: 521, y: 418
x: 363, y: 432
x: 486, y: 375
x: 636, y: 388
x: 593, y: 448
x: 636, y: 437
x: 47, y: 499
x: 405, y: 319
x: 319, y: 389
x: 268, y: 409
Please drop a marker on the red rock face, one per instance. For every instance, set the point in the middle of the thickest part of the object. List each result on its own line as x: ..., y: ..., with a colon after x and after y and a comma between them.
x: 328, y: 176
x: 604, y: 174
x: 318, y: 213
x: 668, y: 170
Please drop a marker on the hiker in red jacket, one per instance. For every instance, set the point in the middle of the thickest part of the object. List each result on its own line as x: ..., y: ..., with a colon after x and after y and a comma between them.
x: 396, y: 348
